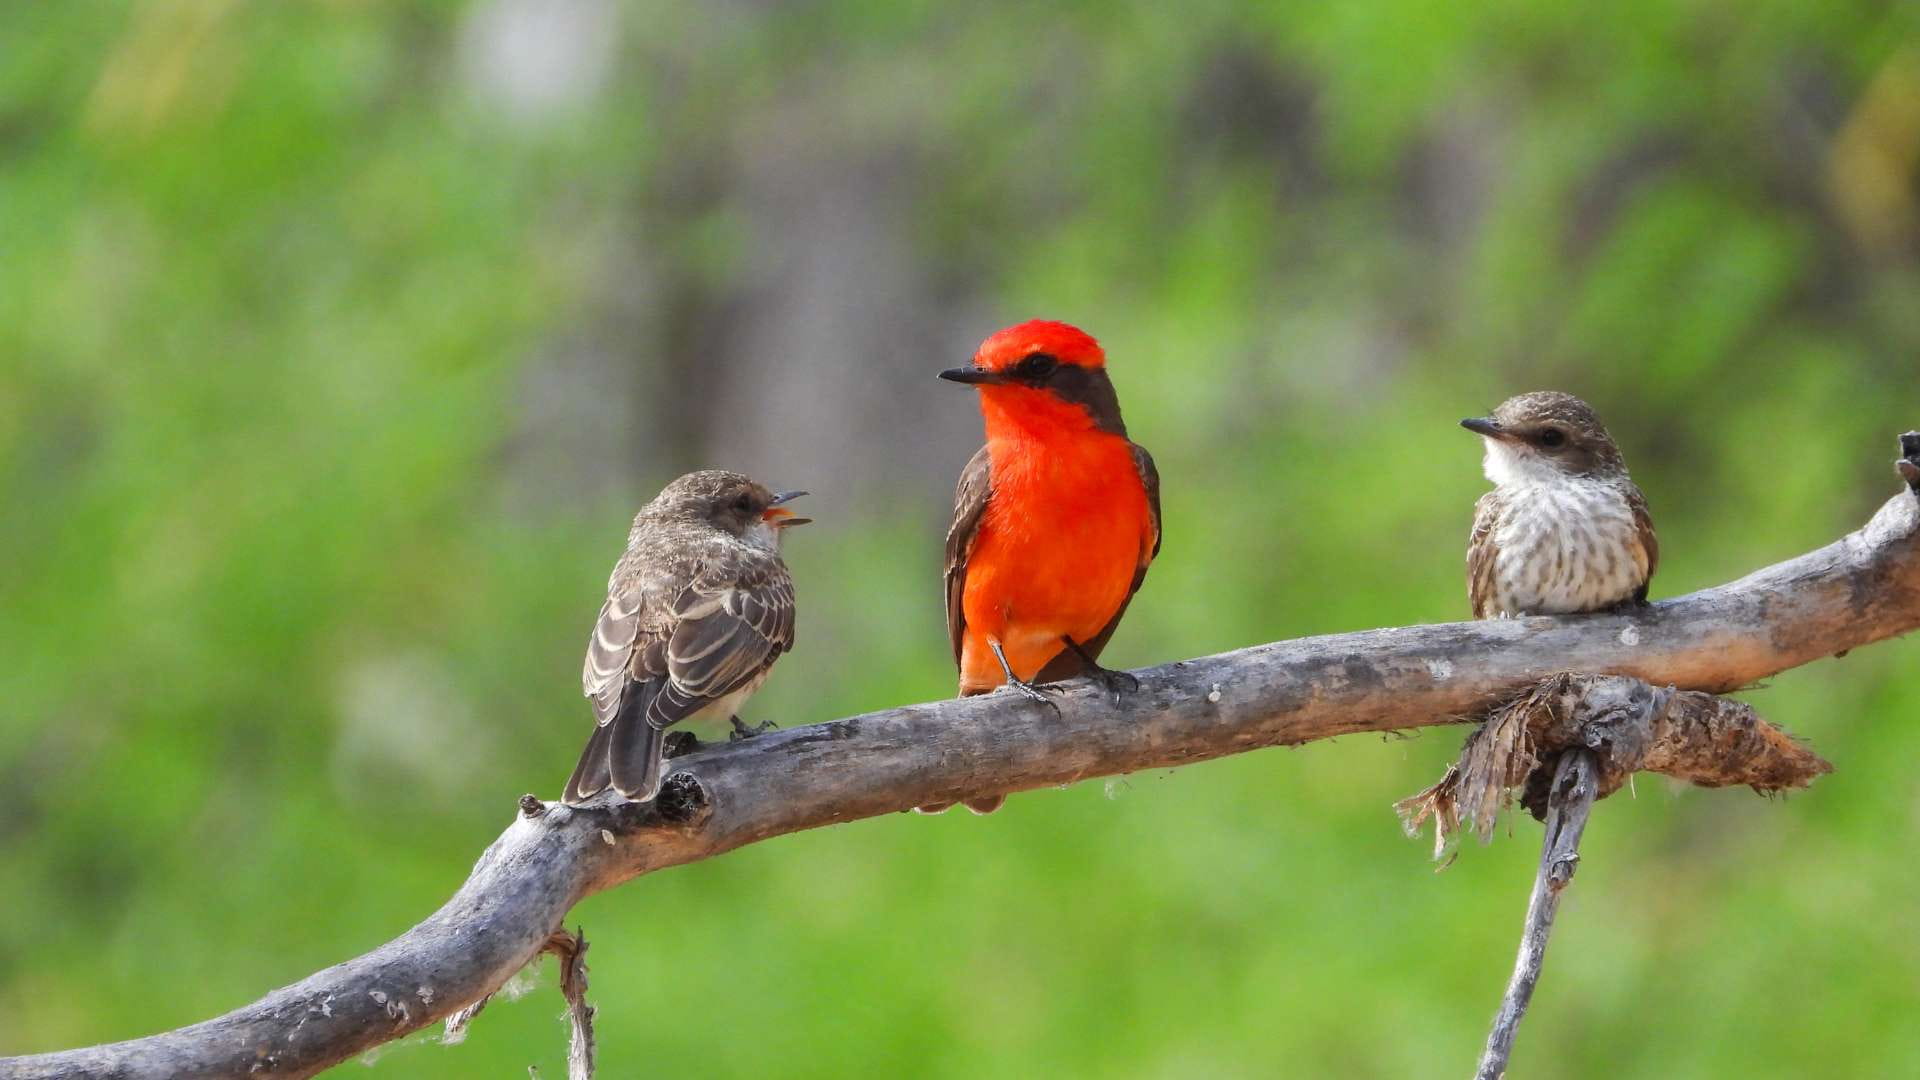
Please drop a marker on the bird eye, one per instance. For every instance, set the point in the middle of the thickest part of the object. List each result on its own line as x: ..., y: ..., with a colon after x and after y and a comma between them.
x: 1553, y: 438
x: 744, y: 503
x: 1038, y: 366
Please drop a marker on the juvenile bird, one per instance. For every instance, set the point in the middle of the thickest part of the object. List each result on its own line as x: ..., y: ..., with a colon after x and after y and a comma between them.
x: 698, y: 609
x: 1564, y: 529
x: 1055, y: 519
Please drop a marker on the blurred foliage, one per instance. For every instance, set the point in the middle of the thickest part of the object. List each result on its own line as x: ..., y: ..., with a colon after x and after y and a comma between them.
x: 339, y: 339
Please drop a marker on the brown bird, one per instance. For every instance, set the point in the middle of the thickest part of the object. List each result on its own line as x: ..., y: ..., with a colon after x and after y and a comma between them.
x: 1564, y: 529
x: 1055, y: 520
x: 698, y: 609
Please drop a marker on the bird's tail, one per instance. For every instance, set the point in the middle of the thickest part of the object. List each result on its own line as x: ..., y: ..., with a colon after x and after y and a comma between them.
x: 633, y: 755
x: 623, y: 753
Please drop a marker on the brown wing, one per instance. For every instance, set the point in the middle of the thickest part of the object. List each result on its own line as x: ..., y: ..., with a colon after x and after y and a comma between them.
x: 969, y: 503
x: 1066, y: 665
x: 1649, y: 543
x: 1481, y: 555
x: 728, y: 629
x: 610, y: 649
x: 1149, y: 479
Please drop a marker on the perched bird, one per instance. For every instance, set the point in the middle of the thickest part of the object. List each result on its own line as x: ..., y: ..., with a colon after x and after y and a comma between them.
x: 1055, y: 519
x: 1564, y: 529
x: 698, y: 609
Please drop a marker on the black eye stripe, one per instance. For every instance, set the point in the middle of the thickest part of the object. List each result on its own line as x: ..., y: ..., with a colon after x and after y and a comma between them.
x: 1036, y: 366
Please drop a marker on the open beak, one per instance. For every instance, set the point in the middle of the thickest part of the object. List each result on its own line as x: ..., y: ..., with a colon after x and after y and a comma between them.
x: 777, y: 515
x: 1486, y: 425
x: 973, y: 375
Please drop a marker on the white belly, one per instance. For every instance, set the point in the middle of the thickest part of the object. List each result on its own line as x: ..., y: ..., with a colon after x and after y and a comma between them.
x: 729, y: 706
x: 1564, y: 548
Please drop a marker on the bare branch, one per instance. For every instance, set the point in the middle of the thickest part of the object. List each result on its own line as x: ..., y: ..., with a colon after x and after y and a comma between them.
x: 1569, y: 802
x: 1858, y: 590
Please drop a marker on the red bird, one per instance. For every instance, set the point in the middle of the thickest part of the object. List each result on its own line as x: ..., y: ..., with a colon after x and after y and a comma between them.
x: 1055, y: 521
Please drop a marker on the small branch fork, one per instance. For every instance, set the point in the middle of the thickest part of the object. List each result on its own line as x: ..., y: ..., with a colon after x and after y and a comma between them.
x: 1863, y: 588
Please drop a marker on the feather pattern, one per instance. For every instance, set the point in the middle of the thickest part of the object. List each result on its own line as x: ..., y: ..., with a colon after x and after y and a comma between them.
x: 1569, y: 546
x: 694, y: 619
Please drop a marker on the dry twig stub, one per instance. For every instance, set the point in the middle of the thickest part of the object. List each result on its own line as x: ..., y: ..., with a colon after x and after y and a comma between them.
x: 571, y: 951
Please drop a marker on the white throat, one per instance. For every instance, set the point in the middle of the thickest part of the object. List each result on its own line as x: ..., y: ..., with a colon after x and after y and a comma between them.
x: 1509, y: 466
x: 763, y: 535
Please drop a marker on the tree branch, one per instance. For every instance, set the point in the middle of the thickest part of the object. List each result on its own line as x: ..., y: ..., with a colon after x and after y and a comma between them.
x: 1569, y: 802
x: 1861, y: 589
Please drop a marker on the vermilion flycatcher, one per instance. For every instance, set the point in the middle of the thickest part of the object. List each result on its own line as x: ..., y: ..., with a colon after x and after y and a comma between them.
x: 1055, y: 520
x: 1564, y: 529
x: 698, y: 609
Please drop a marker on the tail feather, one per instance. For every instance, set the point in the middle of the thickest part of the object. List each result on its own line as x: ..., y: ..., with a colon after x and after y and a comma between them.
x: 633, y: 755
x: 624, y: 753
x: 591, y: 776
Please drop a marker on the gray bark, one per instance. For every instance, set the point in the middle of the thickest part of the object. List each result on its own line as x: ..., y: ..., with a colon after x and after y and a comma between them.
x: 1569, y: 802
x: 1861, y: 589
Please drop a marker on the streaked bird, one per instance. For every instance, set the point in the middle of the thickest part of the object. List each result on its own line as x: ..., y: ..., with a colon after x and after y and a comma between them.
x: 1055, y: 520
x: 1564, y: 529
x: 698, y: 609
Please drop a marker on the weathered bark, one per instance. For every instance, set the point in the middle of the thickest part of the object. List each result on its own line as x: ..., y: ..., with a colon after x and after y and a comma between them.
x: 1861, y: 589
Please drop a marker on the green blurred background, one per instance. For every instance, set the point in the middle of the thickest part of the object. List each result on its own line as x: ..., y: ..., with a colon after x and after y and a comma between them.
x: 338, y: 342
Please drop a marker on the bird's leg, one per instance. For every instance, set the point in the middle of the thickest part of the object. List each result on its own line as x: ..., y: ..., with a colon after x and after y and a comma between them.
x: 742, y: 731
x: 1116, y: 682
x: 1025, y: 688
x: 678, y: 744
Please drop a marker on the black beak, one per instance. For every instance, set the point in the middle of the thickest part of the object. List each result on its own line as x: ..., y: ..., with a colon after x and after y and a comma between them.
x: 974, y: 375
x: 1485, y: 425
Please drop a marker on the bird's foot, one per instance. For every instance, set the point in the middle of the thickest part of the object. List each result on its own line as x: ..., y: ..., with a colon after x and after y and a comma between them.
x: 1034, y: 693
x: 742, y: 731
x: 678, y: 744
x: 1118, y: 683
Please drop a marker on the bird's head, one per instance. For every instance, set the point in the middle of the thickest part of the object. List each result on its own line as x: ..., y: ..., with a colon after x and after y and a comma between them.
x: 1543, y: 436
x: 729, y: 501
x: 1043, y: 373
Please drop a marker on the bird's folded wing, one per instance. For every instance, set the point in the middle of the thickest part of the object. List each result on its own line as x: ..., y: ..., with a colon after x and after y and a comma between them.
x: 1150, y: 480
x: 1649, y: 543
x: 723, y: 637
x: 969, y: 504
x: 609, y: 651
x: 1481, y: 556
